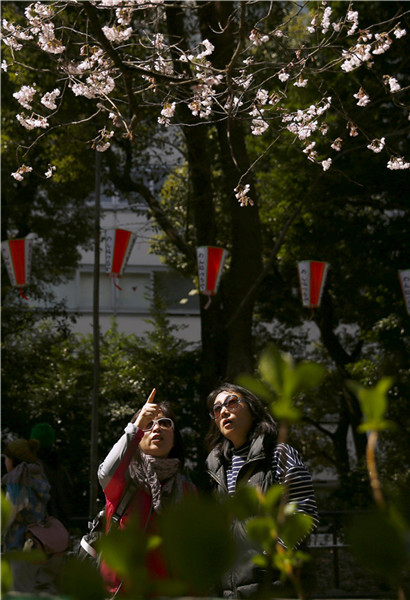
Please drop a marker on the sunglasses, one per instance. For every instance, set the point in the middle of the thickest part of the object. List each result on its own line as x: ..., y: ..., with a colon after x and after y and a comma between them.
x: 231, y: 403
x: 163, y: 423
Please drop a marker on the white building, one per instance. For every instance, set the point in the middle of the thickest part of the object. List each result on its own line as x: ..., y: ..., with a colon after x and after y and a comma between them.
x: 130, y: 305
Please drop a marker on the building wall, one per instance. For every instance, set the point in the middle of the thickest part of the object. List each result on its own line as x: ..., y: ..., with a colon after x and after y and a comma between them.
x: 144, y: 271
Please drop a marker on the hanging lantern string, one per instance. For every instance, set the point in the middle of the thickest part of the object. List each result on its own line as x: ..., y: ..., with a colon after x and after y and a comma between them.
x: 115, y: 278
x: 21, y: 293
x: 208, y: 304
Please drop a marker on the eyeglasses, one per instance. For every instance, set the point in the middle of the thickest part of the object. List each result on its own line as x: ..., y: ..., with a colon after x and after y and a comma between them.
x: 231, y: 402
x: 163, y: 423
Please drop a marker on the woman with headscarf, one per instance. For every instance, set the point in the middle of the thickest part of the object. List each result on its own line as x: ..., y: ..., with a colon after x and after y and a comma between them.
x: 148, y: 459
x: 28, y: 490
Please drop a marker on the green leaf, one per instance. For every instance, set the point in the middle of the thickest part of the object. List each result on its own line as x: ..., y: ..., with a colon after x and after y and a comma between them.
x: 263, y: 531
x: 197, y: 541
x: 295, y: 528
x: 373, y: 402
x: 378, y: 540
x: 6, y: 577
x: 246, y: 502
x: 6, y: 509
x: 272, y: 498
x: 82, y: 580
x: 273, y: 367
x: 256, y: 386
x: 284, y: 411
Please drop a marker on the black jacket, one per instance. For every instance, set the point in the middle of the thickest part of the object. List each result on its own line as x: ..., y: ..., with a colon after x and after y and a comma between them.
x: 266, y: 464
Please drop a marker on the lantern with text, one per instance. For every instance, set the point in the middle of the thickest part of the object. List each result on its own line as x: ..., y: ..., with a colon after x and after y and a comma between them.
x: 312, y: 277
x: 404, y: 277
x: 17, y: 256
x: 211, y: 260
x: 118, y: 247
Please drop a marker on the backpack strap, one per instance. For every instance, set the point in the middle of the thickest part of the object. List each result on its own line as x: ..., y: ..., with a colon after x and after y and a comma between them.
x: 124, y: 502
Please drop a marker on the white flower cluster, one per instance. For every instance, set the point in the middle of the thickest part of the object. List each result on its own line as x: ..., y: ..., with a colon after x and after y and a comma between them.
x: 241, y: 193
x: 392, y: 83
x: 97, y: 84
x: 102, y: 142
x: 377, y: 145
x: 383, y: 43
x: 326, y: 19
x: 362, y: 98
x: 258, y: 38
x: 356, y: 56
x: 49, y: 99
x: 258, y: 124
x: 48, y: 41
x: 353, y: 17
x: 399, y: 33
x: 116, y: 34
x: 337, y: 144
x: 304, y: 122
x: 32, y: 122
x: 209, y: 48
x: 19, y: 174
x: 398, y: 164
x: 166, y: 114
x: 25, y: 96
x: 15, y: 33
x: 50, y: 171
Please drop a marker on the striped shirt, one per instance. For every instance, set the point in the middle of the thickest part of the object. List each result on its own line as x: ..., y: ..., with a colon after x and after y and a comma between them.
x: 239, y: 457
x: 288, y: 469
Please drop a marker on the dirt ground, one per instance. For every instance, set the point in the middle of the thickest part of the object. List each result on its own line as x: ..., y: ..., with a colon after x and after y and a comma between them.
x: 339, y: 576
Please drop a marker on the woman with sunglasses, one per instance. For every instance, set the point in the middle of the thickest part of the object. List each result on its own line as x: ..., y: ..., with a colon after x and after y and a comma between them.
x: 141, y: 474
x: 242, y: 440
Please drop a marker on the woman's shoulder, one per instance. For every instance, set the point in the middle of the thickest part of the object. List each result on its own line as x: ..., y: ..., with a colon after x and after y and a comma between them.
x: 286, y: 453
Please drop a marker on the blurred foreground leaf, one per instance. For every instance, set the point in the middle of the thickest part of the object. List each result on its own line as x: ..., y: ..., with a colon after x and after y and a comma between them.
x: 81, y: 580
x: 197, y: 541
x: 380, y: 541
x: 373, y: 402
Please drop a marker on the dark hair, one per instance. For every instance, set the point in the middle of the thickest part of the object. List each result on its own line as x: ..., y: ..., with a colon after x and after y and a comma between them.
x: 177, y: 450
x: 263, y: 422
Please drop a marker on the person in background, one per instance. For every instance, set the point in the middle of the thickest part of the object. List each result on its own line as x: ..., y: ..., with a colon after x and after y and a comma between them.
x: 242, y: 441
x: 149, y: 458
x: 28, y: 490
x: 61, y: 492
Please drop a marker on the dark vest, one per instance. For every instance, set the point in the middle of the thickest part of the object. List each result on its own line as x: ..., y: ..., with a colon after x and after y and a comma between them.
x: 244, y: 580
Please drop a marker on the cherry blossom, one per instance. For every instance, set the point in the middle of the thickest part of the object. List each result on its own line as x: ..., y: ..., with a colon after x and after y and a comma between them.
x: 257, y: 38
x: 19, y: 174
x: 49, y: 99
x: 32, y: 122
x: 115, y: 34
x: 337, y: 144
x: 168, y: 110
x: 392, y: 83
x: 25, y: 96
x: 50, y: 171
x: 399, y: 32
x: 398, y: 163
x: 362, y: 97
x: 377, y: 145
x: 326, y: 164
x: 90, y: 70
x: 241, y: 193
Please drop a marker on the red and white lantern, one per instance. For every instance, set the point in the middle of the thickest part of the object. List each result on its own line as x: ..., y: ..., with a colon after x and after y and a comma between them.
x: 211, y: 260
x: 312, y: 277
x: 404, y: 277
x: 17, y: 256
x: 118, y: 247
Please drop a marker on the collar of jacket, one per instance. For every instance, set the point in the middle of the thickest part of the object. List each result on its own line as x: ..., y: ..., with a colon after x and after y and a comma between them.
x: 216, y: 467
